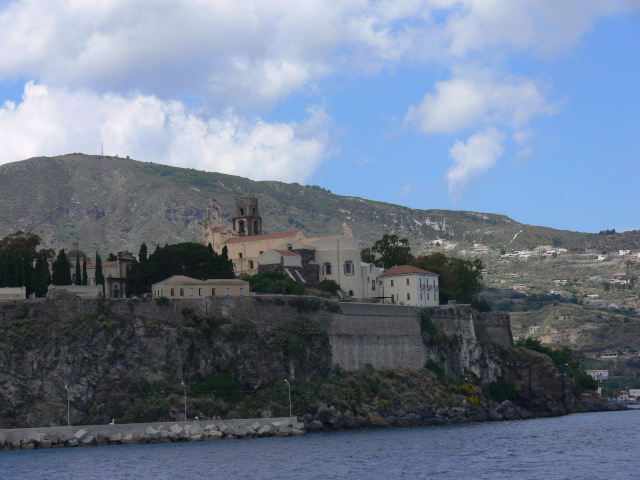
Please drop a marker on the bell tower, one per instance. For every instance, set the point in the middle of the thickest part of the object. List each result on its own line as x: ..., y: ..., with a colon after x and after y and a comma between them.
x: 247, y: 221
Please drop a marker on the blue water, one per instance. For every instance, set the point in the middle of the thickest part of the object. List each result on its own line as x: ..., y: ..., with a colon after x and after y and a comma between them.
x: 582, y: 446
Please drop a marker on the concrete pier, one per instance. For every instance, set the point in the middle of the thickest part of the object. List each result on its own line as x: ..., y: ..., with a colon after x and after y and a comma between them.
x: 142, y: 433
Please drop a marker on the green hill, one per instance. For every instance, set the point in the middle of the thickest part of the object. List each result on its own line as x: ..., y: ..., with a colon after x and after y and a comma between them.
x: 113, y: 204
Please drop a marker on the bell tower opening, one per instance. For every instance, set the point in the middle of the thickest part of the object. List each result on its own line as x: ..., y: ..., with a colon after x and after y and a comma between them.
x: 247, y: 220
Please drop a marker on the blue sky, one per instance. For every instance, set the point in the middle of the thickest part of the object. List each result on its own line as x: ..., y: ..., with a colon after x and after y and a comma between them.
x: 529, y: 109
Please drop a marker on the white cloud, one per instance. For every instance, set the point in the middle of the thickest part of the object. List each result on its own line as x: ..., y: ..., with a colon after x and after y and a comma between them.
x: 472, y: 159
x: 253, y: 53
x: 466, y: 101
x: 50, y: 122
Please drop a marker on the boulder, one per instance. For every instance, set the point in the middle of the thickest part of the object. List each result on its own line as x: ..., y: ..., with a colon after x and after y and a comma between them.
x: 266, y: 431
x: 128, y: 439
x: 212, y: 427
x: 152, y: 433
x: 72, y: 442
x: 315, y: 425
x: 88, y: 441
x: 81, y: 435
x: 255, y: 426
x: 115, y: 437
x: 214, y: 434
x: 226, y: 429
x: 45, y: 444
x: 296, y: 432
x: 195, y: 438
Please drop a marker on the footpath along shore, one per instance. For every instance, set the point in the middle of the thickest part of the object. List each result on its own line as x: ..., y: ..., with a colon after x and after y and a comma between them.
x: 142, y: 433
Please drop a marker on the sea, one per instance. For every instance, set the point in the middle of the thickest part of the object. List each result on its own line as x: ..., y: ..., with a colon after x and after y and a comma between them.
x: 602, y: 445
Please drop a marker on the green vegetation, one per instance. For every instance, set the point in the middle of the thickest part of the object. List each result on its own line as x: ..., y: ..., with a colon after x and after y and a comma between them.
x: 189, y: 259
x: 564, y: 362
x: 499, y: 391
x: 296, y: 337
x: 272, y: 282
x: 61, y: 274
x: 388, y: 251
x: 220, y: 386
x: 18, y: 252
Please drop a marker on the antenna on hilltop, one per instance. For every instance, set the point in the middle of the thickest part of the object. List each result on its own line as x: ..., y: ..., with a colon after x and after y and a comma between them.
x: 101, y: 149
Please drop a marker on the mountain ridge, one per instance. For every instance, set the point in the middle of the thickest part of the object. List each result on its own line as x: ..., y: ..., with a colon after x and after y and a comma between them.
x: 114, y: 204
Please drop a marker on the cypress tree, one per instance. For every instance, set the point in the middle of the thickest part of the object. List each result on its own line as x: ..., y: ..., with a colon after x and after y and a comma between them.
x: 85, y: 278
x: 78, y: 279
x: 226, y: 270
x: 61, y: 271
x: 99, y: 275
x: 41, y: 276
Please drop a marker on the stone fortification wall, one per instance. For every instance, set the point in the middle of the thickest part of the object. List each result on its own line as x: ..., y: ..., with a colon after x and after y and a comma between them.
x: 359, y: 333
x: 493, y: 328
x: 381, y: 335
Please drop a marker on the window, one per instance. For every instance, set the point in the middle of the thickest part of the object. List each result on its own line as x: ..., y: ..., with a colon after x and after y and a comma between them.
x: 421, y: 281
x: 427, y: 296
x: 256, y: 227
x: 240, y: 255
x: 290, y: 247
x: 373, y: 284
x: 392, y: 283
x: 407, y: 281
x: 191, y: 292
x: 241, y: 291
x: 254, y: 212
x: 227, y: 292
x: 173, y: 292
x: 250, y: 263
x: 327, y: 269
x: 261, y: 252
x: 408, y: 296
x: 182, y: 292
x: 240, y: 227
x: 200, y: 292
x: 241, y: 212
x: 213, y: 292
x: 420, y: 295
x: 351, y: 293
x: 348, y: 268
x: 427, y: 280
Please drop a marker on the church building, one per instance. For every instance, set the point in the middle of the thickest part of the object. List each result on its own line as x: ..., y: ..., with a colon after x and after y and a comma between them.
x: 304, y: 260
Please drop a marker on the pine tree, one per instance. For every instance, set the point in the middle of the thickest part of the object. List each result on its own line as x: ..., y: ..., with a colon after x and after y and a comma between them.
x: 78, y: 279
x: 99, y: 275
x: 85, y: 277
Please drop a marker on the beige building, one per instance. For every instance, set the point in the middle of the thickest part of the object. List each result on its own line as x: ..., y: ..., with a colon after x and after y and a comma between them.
x: 181, y: 286
x: 305, y: 260
x: 407, y: 285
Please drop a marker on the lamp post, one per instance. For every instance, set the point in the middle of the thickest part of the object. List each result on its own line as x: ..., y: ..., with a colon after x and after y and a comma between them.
x: 185, y: 400
x: 67, y: 389
x: 289, y: 386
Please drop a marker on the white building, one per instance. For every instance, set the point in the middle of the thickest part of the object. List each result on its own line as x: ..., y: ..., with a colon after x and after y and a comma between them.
x: 371, y: 281
x: 634, y: 393
x: 407, y: 285
x: 598, y: 374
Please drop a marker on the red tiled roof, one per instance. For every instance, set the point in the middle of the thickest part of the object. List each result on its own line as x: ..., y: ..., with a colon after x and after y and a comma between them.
x: 180, y: 279
x: 287, y: 253
x: 104, y: 264
x: 257, y: 238
x: 406, y: 270
x: 220, y: 229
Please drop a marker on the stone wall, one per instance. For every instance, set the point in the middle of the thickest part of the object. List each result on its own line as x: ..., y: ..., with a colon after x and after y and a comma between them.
x: 13, y: 293
x: 493, y: 328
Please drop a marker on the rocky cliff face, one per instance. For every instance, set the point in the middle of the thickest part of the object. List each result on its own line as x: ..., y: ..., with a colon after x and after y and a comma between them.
x: 97, y: 346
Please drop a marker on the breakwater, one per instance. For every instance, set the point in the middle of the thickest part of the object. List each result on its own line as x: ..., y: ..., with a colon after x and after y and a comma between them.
x: 143, y: 433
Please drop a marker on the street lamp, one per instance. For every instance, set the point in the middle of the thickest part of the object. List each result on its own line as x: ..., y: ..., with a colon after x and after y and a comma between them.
x: 288, y: 385
x: 67, y: 389
x: 185, y: 400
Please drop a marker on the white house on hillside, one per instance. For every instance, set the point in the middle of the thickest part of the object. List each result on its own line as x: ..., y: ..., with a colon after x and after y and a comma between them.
x: 409, y: 285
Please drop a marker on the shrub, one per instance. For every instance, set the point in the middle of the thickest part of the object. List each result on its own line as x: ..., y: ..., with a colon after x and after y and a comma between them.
x: 303, y: 333
x: 162, y: 301
x: 221, y: 386
x: 437, y: 369
x: 499, y: 391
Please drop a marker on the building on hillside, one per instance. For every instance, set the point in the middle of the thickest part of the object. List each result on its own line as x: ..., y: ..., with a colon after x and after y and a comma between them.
x: 371, y: 281
x: 305, y: 260
x: 598, y: 374
x: 608, y: 355
x: 407, y: 285
x: 181, y: 286
x: 602, y: 303
x: 534, y: 328
x: 115, y: 274
x: 634, y: 393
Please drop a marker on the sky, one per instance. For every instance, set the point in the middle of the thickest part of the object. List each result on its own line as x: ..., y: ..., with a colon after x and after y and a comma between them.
x: 527, y: 108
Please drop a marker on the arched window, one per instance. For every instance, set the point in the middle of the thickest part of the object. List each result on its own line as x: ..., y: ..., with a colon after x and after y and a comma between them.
x: 256, y: 227
x: 254, y: 210
x: 240, y: 227
x: 348, y: 268
x: 289, y: 247
x: 241, y: 212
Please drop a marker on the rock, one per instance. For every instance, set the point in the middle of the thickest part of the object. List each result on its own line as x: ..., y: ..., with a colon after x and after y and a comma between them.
x: 195, y: 438
x: 179, y: 431
x: 315, y: 425
x: 128, y: 439
x: 81, y: 435
x: 88, y: 441
x: 214, y: 434
x: 72, y: 442
x: 45, y: 444
x: 295, y: 432
x: 16, y: 444
x: 212, y: 426
x: 52, y: 437
x: 195, y: 430
x: 255, y: 426
x: 266, y: 431
x: 152, y: 433
x: 297, y: 426
x: 115, y: 437
x: 227, y: 430
x: 376, y: 420
x: 34, y: 438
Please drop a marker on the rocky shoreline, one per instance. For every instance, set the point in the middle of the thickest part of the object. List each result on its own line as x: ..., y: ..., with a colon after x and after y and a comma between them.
x: 330, y: 418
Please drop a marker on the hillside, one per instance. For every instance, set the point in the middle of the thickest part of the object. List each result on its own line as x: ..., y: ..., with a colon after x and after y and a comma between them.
x: 113, y: 204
